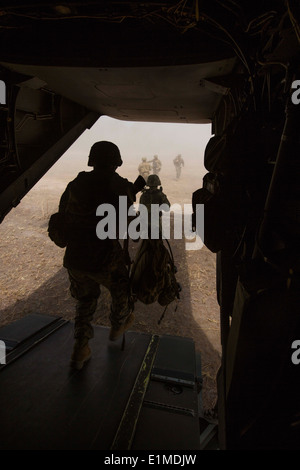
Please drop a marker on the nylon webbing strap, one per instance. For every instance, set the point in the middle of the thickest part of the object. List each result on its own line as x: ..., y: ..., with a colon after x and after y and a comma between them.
x: 125, y: 433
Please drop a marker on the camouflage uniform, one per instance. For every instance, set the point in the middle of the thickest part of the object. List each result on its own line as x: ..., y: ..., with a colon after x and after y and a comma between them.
x: 154, y: 195
x: 144, y: 169
x: 156, y: 165
x: 90, y: 261
x: 178, y: 162
x: 85, y: 288
x: 153, y: 271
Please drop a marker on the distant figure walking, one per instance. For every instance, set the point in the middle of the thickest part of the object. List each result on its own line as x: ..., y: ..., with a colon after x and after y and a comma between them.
x: 144, y: 168
x: 179, y: 163
x: 156, y: 165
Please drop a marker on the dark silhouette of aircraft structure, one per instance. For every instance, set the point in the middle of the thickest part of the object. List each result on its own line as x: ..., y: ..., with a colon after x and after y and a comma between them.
x: 234, y: 64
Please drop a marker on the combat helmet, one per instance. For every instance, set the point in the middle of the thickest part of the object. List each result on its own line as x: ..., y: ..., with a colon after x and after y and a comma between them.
x: 153, y: 181
x: 144, y: 159
x: 104, y: 154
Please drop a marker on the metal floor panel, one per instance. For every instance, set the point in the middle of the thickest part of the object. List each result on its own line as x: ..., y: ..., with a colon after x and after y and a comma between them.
x: 21, y: 330
x: 162, y: 429
x: 142, y: 397
x: 169, y: 417
x: 45, y: 405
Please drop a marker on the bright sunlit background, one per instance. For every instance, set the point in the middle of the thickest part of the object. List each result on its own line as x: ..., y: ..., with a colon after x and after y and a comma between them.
x: 140, y: 139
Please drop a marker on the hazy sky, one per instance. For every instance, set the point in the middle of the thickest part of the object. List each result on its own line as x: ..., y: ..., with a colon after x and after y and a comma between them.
x: 140, y: 139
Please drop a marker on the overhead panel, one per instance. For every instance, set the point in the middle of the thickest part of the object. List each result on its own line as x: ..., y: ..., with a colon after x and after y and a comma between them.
x: 181, y: 93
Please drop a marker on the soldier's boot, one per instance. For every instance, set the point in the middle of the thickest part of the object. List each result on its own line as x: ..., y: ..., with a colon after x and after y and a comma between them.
x: 117, y: 331
x: 81, y: 353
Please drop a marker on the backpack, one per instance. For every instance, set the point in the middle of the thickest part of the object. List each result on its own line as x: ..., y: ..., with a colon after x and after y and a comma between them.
x: 152, y: 274
x: 215, y: 212
x: 57, y: 229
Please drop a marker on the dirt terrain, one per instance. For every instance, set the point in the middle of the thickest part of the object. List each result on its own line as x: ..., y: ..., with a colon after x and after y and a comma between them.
x: 33, y: 280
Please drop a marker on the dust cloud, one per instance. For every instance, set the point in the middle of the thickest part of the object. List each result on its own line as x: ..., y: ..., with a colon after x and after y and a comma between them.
x: 37, y: 282
x: 137, y: 140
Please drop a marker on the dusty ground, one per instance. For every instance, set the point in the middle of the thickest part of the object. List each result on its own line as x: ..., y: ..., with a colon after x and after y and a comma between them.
x: 33, y: 280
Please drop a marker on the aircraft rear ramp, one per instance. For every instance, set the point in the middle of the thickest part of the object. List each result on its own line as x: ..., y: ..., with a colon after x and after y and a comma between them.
x: 144, y: 396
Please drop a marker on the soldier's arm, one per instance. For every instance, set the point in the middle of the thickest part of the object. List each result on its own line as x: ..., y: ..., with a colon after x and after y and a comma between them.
x: 143, y: 198
x: 165, y: 200
x: 123, y: 187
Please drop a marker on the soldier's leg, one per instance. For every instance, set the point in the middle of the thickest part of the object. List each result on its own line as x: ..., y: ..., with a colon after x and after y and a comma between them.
x: 122, y: 304
x: 121, y: 316
x: 114, y: 276
x: 86, y: 291
x: 116, y: 280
